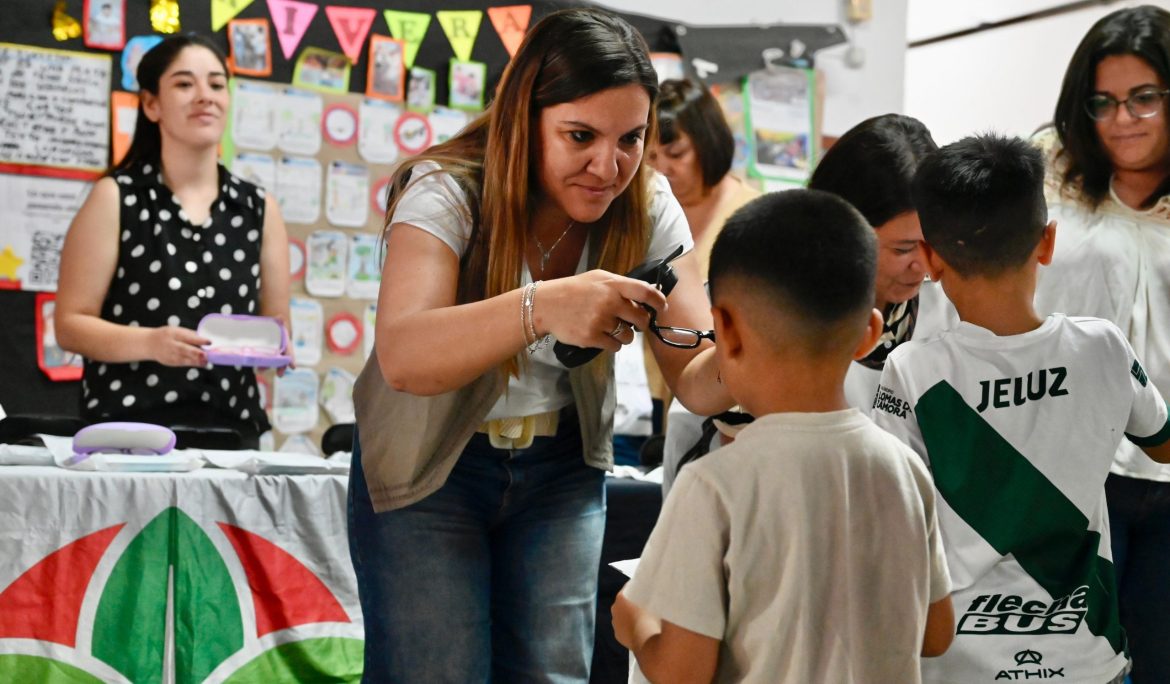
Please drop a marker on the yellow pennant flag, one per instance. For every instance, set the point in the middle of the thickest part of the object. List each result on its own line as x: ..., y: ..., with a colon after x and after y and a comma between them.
x: 409, y: 27
x: 223, y: 11
x: 461, y: 28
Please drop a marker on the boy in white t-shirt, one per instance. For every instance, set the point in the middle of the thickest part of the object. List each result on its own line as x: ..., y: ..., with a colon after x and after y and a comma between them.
x: 808, y: 549
x: 1019, y: 417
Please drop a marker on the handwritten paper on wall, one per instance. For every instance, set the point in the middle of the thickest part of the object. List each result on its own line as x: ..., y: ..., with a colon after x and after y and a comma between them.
x: 54, y: 112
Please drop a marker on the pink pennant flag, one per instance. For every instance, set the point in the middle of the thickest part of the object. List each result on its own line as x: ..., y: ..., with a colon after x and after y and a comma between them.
x: 291, y: 19
x: 352, y: 25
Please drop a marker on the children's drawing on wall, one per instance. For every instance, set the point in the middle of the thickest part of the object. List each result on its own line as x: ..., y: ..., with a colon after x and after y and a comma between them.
x: 420, y: 93
x: 387, y: 69
x: 105, y: 24
x: 251, y: 47
x: 467, y: 84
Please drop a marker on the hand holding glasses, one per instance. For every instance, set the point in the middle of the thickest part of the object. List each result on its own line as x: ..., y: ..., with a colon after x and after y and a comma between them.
x: 1142, y: 103
x: 659, y: 274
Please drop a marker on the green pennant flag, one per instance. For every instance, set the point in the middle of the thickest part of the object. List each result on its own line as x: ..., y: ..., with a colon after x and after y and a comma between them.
x: 410, y: 28
x: 461, y: 28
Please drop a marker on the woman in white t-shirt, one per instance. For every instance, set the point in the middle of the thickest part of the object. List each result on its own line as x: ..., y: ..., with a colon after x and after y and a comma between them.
x: 1109, y: 193
x: 477, y: 494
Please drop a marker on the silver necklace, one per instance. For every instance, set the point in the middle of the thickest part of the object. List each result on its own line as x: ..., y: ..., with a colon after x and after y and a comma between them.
x: 546, y: 254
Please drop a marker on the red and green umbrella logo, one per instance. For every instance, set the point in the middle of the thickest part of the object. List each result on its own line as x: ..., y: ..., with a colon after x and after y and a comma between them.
x: 171, y: 602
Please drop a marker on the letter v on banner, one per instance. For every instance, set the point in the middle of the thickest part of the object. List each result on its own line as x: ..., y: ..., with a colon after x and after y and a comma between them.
x: 351, y: 25
x: 291, y: 18
x: 223, y: 11
x: 461, y: 28
x: 410, y: 28
x: 511, y: 23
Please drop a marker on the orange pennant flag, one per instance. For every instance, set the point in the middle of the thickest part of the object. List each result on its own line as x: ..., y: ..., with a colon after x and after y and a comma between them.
x: 511, y: 23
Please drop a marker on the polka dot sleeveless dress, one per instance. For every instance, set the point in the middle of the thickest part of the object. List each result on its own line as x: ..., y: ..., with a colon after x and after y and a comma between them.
x: 172, y: 272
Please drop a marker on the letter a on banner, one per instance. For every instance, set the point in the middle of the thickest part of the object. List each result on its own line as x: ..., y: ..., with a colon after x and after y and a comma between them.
x: 351, y: 25
x: 291, y: 19
x: 409, y: 27
x: 511, y: 23
x: 223, y: 11
x: 461, y: 28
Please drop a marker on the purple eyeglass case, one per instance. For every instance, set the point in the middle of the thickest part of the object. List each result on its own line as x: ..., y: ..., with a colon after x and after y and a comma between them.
x: 239, y: 340
x: 125, y: 438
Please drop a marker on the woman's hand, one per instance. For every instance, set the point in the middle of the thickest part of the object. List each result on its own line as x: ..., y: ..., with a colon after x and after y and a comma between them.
x: 585, y: 310
x: 174, y: 346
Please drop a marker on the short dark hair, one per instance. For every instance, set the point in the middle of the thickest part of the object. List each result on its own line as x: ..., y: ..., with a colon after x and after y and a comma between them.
x: 688, y: 107
x: 1143, y: 32
x: 809, y: 251
x: 873, y: 164
x: 981, y: 203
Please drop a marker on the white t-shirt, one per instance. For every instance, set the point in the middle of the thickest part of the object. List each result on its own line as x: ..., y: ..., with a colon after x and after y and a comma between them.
x: 435, y: 203
x: 809, y: 547
x: 1114, y: 263
x: 1019, y: 432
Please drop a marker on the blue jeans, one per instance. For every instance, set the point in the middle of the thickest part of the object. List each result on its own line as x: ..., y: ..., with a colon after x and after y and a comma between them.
x: 1139, y: 521
x: 493, y: 578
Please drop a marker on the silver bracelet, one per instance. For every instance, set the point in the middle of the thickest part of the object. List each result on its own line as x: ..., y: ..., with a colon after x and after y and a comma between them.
x: 537, y: 343
x: 525, y: 314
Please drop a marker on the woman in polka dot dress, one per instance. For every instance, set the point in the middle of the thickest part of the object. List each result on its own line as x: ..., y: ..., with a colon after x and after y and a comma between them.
x: 167, y: 237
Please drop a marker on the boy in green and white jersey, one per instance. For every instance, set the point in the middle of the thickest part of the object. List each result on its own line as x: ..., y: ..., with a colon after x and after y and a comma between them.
x: 1018, y: 417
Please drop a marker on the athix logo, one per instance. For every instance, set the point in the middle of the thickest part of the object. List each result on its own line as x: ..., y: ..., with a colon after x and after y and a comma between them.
x: 1030, y: 658
x: 999, y: 614
x: 171, y: 588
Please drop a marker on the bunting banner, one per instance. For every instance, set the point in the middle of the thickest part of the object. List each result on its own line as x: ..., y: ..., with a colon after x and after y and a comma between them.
x: 351, y: 25
x: 461, y: 28
x: 223, y: 11
x: 291, y: 19
x: 410, y: 28
x: 511, y: 23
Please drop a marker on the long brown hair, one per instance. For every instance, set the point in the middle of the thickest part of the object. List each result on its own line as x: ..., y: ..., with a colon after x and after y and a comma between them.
x: 568, y: 55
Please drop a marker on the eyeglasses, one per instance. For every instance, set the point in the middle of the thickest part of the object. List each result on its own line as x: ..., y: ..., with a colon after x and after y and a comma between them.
x: 1141, y: 104
x: 682, y: 338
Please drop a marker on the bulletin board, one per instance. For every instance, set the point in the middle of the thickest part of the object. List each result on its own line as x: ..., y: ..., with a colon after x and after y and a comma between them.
x: 68, y: 106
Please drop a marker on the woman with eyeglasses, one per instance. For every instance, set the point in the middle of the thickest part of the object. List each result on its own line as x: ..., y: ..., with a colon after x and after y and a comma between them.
x: 1109, y: 193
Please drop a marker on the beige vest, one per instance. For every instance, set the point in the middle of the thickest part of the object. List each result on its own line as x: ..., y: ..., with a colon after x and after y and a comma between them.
x: 410, y: 443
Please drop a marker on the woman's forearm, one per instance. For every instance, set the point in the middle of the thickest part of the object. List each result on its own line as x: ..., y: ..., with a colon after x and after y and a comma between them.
x: 100, y: 340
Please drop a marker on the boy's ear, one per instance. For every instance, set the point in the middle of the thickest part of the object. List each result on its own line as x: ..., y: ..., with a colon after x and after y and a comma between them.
x: 873, y: 332
x: 730, y: 338
x: 1047, y: 244
x: 935, y: 266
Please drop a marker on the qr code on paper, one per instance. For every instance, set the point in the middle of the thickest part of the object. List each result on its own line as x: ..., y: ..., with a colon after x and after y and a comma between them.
x: 44, y: 258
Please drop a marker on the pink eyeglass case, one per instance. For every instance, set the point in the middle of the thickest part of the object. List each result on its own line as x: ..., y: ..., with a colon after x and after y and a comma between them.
x: 238, y: 340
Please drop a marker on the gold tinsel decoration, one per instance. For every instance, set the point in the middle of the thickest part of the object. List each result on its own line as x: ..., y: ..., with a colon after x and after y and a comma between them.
x: 164, y: 15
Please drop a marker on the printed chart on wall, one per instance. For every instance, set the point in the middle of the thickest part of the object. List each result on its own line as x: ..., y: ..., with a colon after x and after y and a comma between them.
x: 780, y: 114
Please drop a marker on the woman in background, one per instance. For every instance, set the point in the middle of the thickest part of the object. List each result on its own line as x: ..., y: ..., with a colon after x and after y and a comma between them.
x: 694, y: 151
x: 1109, y: 193
x: 168, y: 236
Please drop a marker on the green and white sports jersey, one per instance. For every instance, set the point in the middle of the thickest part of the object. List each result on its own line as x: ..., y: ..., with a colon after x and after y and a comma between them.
x: 1019, y: 433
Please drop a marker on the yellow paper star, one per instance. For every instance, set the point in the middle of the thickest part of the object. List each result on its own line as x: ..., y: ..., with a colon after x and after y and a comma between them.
x: 9, y: 262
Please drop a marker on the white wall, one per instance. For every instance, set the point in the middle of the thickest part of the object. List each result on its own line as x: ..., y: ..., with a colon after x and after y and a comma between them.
x: 1005, y: 79
x: 851, y: 95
